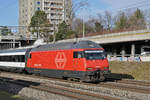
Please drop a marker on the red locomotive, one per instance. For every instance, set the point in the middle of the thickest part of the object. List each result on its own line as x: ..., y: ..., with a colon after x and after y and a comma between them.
x: 84, y: 60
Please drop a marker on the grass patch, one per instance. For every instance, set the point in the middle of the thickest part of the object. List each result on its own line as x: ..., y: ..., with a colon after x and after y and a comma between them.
x: 139, y: 71
x: 7, y: 96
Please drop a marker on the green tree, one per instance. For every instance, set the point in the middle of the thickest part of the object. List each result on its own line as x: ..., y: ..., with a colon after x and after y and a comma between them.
x: 40, y: 25
x: 138, y: 14
x: 137, y: 20
x: 98, y: 27
x: 122, y: 22
x: 63, y: 31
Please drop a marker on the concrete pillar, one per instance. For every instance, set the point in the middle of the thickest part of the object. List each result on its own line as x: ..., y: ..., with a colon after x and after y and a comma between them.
x: 115, y: 52
x: 19, y: 44
x: 14, y: 43
x: 11, y: 43
x: 133, y: 50
x: 123, y: 52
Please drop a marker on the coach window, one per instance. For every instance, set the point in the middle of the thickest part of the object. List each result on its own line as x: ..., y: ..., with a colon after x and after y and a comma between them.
x: 78, y: 55
x: 21, y: 58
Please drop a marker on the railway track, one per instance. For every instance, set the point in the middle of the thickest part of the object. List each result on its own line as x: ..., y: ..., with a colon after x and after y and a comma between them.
x: 135, y: 82
x: 126, y: 86
x: 97, y: 89
x: 58, y: 90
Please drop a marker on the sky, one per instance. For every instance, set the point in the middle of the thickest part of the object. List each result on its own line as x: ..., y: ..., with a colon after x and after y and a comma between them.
x: 9, y: 9
x: 9, y: 12
x: 113, y: 6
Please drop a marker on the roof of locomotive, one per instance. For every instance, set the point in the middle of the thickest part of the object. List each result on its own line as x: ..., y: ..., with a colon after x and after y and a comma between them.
x: 67, y: 45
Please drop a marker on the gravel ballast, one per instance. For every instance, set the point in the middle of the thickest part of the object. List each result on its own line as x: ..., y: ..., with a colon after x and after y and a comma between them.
x: 117, y: 93
x: 30, y: 93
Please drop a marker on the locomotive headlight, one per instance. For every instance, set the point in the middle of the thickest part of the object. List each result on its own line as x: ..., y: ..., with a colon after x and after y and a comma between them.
x: 89, y: 68
x: 105, y: 55
x: 106, y: 68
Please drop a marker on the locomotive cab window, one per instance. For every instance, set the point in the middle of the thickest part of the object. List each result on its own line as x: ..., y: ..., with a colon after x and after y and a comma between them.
x: 95, y: 54
x: 78, y: 54
x: 30, y: 56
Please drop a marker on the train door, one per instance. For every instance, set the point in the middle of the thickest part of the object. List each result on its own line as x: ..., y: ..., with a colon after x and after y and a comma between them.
x: 29, y: 62
x: 77, y: 60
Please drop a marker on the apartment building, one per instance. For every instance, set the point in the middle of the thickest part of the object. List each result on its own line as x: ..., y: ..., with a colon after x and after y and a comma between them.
x: 56, y: 10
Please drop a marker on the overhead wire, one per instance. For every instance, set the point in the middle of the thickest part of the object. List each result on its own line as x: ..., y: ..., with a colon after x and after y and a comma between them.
x: 136, y: 3
x: 139, y: 4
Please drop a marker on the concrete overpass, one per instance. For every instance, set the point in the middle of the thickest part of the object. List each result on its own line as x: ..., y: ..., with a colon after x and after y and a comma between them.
x: 123, y: 43
x: 117, y: 37
x: 13, y: 41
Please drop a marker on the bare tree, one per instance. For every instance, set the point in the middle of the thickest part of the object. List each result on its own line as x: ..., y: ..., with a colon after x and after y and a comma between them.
x: 101, y: 18
x: 108, y: 20
x: 79, y: 5
x: 89, y: 25
x: 78, y: 26
x: 147, y: 18
x: 121, y: 22
x: 73, y: 8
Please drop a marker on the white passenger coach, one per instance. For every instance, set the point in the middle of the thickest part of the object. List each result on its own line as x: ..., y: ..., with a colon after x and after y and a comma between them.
x: 12, y: 60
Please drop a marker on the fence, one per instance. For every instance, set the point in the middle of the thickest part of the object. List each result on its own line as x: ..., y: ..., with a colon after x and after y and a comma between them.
x: 127, y: 58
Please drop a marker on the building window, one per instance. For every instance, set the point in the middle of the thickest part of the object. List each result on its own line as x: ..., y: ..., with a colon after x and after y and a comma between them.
x: 38, y: 2
x: 52, y: 3
x: 38, y: 8
x: 52, y: 14
x: 46, y: 3
x: 46, y: 8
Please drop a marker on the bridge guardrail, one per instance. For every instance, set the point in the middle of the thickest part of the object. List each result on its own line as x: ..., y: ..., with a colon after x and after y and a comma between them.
x: 109, y: 35
x: 129, y: 58
x: 121, y: 33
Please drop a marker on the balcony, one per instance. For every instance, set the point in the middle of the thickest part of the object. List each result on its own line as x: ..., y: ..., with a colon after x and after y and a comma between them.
x: 56, y: 6
x: 56, y: 17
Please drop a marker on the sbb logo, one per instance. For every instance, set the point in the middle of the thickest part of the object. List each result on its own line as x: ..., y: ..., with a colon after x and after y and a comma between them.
x: 60, y: 60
